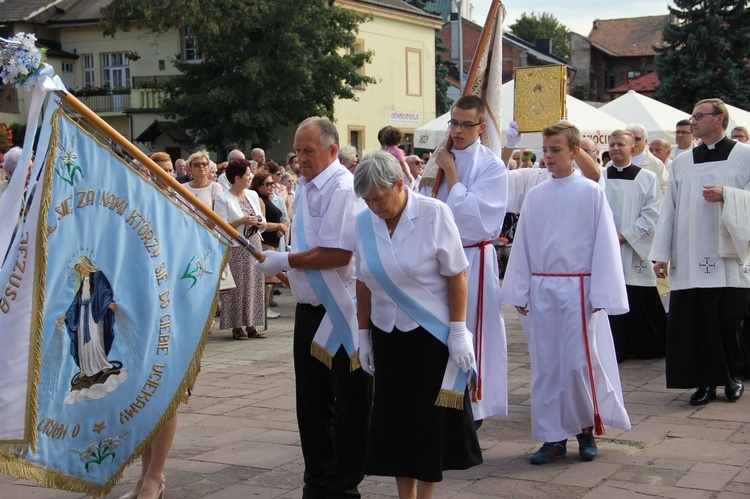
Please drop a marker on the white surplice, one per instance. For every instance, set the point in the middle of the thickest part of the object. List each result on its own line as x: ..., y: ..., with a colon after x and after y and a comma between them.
x: 635, y: 204
x: 478, y: 205
x: 690, y: 231
x: 566, y: 227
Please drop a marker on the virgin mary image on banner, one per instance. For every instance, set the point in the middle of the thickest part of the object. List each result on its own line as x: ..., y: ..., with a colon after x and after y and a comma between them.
x: 90, y: 323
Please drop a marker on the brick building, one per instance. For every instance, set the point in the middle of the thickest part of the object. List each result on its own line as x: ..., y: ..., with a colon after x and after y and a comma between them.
x: 615, y: 54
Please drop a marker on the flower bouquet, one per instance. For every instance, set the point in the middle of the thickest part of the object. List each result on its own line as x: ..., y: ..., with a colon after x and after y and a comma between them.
x: 20, y: 58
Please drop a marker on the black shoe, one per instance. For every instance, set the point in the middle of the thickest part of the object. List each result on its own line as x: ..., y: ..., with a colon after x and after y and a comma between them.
x: 703, y: 395
x: 734, y: 389
x: 276, y: 291
x: 478, y: 424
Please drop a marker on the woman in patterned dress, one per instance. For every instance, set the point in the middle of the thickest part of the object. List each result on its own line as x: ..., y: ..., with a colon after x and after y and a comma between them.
x: 240, y: 207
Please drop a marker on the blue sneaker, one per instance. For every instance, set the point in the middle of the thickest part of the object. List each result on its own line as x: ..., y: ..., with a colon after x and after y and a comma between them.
x: 548, y: 452
x: 587, y: 445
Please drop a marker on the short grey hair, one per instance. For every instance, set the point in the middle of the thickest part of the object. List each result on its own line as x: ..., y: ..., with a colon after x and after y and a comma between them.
x: 637, y: 127
x: 378, y: 169
x: 286, y: 176
x: 328, y: 132
x: 347, y: 152
x: 235, y: 154
x: 12, y: 157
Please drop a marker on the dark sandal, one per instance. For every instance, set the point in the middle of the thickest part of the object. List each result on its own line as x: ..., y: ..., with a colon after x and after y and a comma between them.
x: 254, y: 333
x: 239, y: 334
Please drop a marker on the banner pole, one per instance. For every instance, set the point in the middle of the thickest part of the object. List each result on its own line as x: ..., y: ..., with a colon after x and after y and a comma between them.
x: 156, y: 170
x: 489, y: 26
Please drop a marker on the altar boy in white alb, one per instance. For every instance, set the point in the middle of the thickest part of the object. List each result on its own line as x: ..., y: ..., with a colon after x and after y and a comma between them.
x: 635, y: 199
x: 703, y: 232
x: 475, y: 189
x: 564, y: 268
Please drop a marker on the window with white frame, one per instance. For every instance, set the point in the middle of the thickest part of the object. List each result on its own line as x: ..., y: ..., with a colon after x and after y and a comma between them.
x: 87, y: 62
x: 190, y: 52
x: 115, y: 70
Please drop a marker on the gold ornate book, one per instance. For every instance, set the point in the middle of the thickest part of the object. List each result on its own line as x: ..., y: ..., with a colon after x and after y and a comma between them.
x: 539, y: 97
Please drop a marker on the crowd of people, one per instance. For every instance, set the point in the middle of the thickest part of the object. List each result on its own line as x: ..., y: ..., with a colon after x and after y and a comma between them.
x: 640, y: 254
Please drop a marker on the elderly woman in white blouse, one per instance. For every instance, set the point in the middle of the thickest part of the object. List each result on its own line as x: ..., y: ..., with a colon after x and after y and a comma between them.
x: 411, y: 299
x: 244, y: 306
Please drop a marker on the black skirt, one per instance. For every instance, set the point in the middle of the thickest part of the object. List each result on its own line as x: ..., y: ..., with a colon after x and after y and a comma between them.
x: 642, y: 332
x: 409, y: 435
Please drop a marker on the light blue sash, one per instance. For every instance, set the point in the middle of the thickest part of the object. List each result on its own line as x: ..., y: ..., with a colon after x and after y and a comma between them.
x: 339, y: 325
x: 419, y: 304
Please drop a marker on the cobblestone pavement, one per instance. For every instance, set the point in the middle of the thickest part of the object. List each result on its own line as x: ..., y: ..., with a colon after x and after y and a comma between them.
x: 237, y: 437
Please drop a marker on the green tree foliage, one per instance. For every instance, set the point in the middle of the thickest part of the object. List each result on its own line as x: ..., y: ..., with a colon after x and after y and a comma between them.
x: 538, y: 26
x: 265, y: 64
x: 705, y: 54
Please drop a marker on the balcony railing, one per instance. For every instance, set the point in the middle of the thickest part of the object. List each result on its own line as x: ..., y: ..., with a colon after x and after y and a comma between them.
x: 106, y: 103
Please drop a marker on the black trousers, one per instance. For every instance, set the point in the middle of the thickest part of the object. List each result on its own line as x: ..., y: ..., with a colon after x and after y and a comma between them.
x: 333, y: 407
x: 703, y: 336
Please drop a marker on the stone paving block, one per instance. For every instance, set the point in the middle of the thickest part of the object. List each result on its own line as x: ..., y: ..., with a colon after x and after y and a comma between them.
x: 193, y: 466
x: 646, y: 431
x: 677, y: 409
x: 247, y: 491
x: 276, y: 436
x: 586, y: 474
x: 284, y: 402
x: 647, y: 475
x: 646, y: 397
x: 522, y: 469
x: 199, y: 438
x: 702, y: 481
x: 278, y: 480
x: 724, y: 410
x: 26, y: 488
x: 672, y: 463
x: 734, y: 489
x: 613, y: 489
x: 743, y: 476
x: 701, y: 451
x: 255, y: 455
x: 514, y: 488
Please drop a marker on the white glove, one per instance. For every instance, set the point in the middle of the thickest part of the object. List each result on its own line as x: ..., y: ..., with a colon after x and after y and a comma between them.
x: 366, y: 357
x: 512, y: 136
x: 460, y: 346
x: 275, y: 262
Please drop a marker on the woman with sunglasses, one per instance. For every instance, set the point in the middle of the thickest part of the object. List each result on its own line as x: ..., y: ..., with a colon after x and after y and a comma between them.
x: 201, y: 185
x: 240, y: 207
x: 264, y: 185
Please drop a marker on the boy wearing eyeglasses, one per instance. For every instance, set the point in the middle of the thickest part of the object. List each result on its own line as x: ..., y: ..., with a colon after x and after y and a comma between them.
x: 475, y: 188
x: 701, y: 242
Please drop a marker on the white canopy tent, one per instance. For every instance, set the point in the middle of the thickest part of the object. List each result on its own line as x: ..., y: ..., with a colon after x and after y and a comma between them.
x: 592, y: 122
x: 658, y: 118
x: 737, y: 117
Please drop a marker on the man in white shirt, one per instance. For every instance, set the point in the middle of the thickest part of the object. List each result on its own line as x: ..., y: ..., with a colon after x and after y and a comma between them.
x: 643, y: 158
x: 333, y: 393
x: 233, y: 154
x: 416, y: 167
x: 683, y: 136
x: 635, y: 199
x: 708, y: 267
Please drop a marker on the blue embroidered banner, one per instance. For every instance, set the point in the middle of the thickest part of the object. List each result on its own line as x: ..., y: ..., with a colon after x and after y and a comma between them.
x: 129, y: 283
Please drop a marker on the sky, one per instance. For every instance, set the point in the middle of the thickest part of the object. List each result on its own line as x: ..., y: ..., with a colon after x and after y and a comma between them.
x: 577, y: 15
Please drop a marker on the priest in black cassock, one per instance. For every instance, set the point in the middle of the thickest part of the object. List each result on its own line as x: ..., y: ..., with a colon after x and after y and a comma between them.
x: 635, y: 199
x: 703, y: 233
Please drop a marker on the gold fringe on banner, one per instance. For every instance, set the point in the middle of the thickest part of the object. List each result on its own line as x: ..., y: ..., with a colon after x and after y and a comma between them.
x: 450, y: 399
x: 321, y: 354
x: 14, y: 465
x: 354, y: 361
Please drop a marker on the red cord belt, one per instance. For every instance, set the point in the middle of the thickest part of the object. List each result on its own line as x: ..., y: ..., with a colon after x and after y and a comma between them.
x: 598, y: 425
x: 480, y: 319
